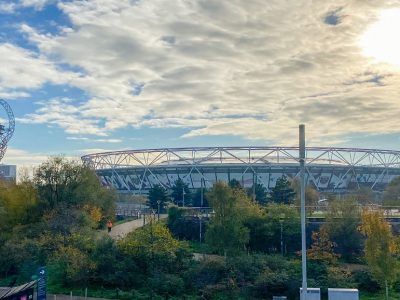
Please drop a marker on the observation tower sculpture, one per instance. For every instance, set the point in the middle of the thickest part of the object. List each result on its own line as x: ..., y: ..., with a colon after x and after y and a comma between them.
x: 6, y: 129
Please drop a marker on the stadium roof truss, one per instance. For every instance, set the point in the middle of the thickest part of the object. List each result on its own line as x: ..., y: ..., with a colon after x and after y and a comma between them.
x: 330, y: 169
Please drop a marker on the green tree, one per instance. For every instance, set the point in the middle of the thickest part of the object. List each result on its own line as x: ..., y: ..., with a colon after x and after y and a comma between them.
x: 364, y: 195
x: 152, y: 240
x: 226, y: 232
x: 197, y: 198
x: 260, y: 193
x: 70, y: 265
x: 157, y: 193
x: 181, y: 194
x: 311, y: 196
x: 391, y: 195
x: 381, y: 248
x: 155, y: 250
x: 265, y: 229
x: 342, y: 221
x: 235, y: 184
x: 282, y: 192
x: 67, y: 184
x: 17, y: 203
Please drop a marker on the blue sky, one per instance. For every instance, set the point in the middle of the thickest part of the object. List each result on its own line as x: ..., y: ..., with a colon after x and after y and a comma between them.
x: 91, y: 76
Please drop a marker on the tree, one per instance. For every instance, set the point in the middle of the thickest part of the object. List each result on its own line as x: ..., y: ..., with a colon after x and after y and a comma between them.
x: 322, y: 248
x: 381, y: 248
x: 260, y: 192
x: 157, y: 193
x: 342, y: 221
x: 265, y: 229
x: 391, y: 196
x: 155, y: 249
x: 282, y: 192
x: 364, y: 195
x: 235, y: 184
x: 311, y: 196
x: 197, y: 198
x: 62, y: 183
x: 17, y: 202
x: 226, y: 232
x: 181, y: 194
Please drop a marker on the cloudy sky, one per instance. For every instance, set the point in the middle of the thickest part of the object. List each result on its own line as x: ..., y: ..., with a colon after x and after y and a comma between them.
x: 95, y: 75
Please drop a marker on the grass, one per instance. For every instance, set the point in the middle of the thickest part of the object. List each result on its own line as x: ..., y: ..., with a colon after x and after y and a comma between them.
x: 381, y: 295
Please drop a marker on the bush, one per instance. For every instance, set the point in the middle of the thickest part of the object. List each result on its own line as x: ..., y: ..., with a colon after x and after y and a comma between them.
x: 365, y: 281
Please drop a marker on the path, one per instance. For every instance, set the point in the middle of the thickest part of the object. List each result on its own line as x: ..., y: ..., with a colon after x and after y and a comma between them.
x: 121, y: 230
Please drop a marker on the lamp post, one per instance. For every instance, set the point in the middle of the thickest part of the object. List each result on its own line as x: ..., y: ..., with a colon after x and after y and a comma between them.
x: 200, y: 233
x: 281, y: 219
x: 158, y: 209
x: 302, y: 157
x: 183, y: 196
x: 202, y: 192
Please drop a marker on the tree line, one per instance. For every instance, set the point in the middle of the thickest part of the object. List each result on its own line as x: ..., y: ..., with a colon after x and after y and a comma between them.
x: 251, y: 251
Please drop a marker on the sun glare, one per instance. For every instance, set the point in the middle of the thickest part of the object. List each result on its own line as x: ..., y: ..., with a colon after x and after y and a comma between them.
x: 381, y: 40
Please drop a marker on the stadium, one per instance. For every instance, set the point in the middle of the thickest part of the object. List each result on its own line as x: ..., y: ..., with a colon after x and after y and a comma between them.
x: 329, y: 170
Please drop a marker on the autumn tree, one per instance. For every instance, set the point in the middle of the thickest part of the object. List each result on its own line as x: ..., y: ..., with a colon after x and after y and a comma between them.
x: 381, y: 248
x: 322, y: 247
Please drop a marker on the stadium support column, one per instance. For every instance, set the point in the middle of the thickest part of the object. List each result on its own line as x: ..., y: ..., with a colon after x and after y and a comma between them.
x: 302, y: 156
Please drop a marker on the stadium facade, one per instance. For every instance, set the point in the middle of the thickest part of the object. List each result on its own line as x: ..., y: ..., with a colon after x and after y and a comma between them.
x: 329, y: 170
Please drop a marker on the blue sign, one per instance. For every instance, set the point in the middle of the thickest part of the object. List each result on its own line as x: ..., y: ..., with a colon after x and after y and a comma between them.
x: 41, y: 283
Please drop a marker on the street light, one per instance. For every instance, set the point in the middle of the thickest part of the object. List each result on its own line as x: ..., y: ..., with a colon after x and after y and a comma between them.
x: 158, y: 210
x: 183, y: 196
x: 281, y: 219
x: 200, y: 233
x: 302, y: 157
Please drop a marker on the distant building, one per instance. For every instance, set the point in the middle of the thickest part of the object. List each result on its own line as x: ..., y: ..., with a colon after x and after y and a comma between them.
x: 8, y: 173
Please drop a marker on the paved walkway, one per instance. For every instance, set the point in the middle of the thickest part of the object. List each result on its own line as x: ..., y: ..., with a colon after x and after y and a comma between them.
x: 121, y: 230
x: 68, y: 297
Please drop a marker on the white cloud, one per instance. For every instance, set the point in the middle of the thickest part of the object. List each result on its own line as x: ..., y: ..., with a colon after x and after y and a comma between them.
x: 21, y: 68
x: 12, y: 7
x: 21, y: 157
x: 253, y: 69
x: 7, y: 7
x: 95, y: 150
x: 86, y: 139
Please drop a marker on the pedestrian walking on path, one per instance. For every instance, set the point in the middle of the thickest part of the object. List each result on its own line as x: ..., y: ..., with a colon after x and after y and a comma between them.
x: 109, y: 225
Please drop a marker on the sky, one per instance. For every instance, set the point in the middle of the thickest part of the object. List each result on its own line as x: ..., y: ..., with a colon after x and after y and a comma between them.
x: 101, y: 75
